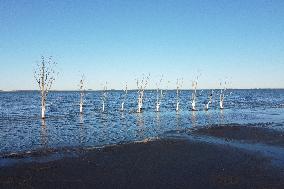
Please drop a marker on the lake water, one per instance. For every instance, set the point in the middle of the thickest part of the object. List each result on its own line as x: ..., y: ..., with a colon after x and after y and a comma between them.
x: 21, y: 128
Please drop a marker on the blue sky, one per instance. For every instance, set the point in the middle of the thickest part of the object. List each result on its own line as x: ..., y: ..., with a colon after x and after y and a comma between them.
x: 119, y: 40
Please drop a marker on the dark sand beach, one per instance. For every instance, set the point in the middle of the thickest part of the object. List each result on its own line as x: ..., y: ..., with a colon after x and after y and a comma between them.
x: 162, y: 163
x: 249, y: 133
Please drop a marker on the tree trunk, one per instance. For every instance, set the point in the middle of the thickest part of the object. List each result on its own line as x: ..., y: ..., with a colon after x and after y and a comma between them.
x: 177, y: 107
x: 139, y: 105
x: 43, y: 93
x: 81, y: 108
x: 103, y: 106
x: 222, y: 101
x: 158, y: 107
x: 81, y: 104
x: 193, y: 105
x: 43, y: 107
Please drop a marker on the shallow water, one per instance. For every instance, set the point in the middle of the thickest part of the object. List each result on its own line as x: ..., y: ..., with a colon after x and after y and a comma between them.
x: 21, y: 128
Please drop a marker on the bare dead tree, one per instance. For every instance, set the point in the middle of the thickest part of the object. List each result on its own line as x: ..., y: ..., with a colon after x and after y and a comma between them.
x: 104, y: 96
x: 124, y: 97
x: 209, y: 101
x: 45, y: 76
x: 222, y: 95
x: 82, y: 93
x: 141, y: 86
x: 159, y: 95
x: 179, y: 84
x: 194, y: 94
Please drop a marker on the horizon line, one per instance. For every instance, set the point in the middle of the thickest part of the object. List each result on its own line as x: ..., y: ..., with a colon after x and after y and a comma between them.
x: 181, y: 89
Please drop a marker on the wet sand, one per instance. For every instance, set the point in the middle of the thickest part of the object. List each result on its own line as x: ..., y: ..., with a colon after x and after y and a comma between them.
x: 164, y: 163
x: 248, y: 133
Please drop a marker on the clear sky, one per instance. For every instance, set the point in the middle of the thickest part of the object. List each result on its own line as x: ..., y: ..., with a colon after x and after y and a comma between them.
x: 241, y: 41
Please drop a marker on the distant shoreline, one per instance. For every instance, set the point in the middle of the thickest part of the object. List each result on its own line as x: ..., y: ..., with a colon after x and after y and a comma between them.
x: 95, y: 90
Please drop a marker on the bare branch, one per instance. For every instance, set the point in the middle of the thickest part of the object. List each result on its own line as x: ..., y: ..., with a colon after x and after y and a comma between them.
x: 44, y: 75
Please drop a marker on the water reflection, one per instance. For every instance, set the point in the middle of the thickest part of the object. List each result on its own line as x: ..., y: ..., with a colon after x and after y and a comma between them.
x: 81, y: 119
x: 123, y: 122
x: 104, y: 127
x: 104, y: 119
x: 222, y: 121
x: 178, y: 121
x: 43, y: 134
x: 158, y: 119
x: 82, y: 134
x: 140, y: 125
x: 140, y: 119
x: 208, y: 116
x: 193, y: 118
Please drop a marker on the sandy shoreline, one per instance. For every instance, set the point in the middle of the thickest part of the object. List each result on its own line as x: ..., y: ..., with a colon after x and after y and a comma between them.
x: 163, y: 163
x: 249, y: 133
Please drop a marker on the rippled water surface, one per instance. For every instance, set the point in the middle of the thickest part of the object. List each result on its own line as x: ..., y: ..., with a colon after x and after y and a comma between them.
x: 21, y: 128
